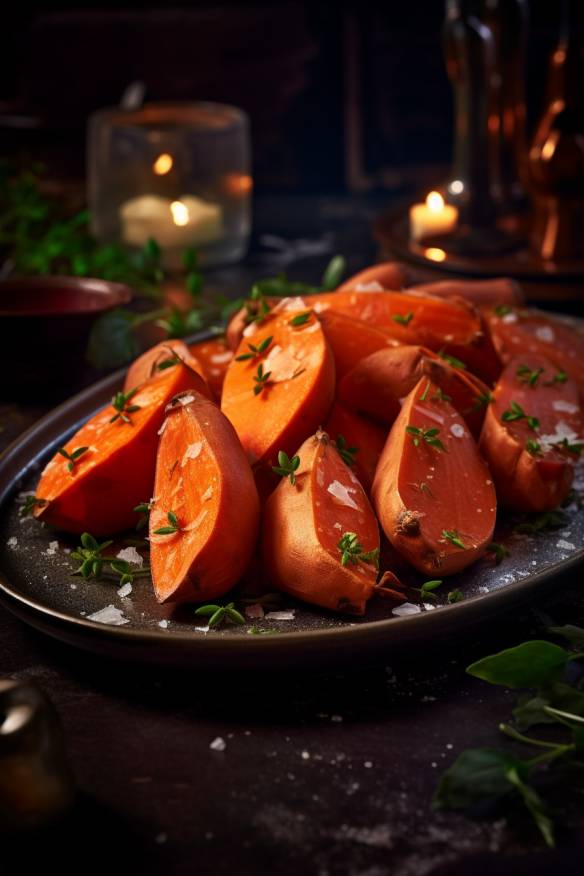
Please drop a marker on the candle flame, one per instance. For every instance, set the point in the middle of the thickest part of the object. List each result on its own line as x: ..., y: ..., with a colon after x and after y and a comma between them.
x: 180, y: 213
x: 435, y: 254
x: 435, y: 202
x: 163, y: 164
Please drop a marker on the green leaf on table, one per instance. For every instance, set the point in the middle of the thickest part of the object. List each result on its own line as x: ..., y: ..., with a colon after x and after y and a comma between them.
x: 534, y: 805
x: 112, y: 341
x: 531, y: 664
x: 477, y: 775
x: 333, y: 273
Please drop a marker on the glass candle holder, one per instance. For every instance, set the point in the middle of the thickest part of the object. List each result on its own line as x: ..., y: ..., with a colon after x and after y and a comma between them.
x: 178, y: 173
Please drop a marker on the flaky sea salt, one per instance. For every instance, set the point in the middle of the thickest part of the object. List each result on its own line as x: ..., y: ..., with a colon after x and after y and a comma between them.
x: 457, y: 430
x: 109, y: 615
x: 192, y: 451
x: 564, y: 406
x: 565, y: 545
x: 280, y: 615
x: 545, y: 333
x: 130, y: 555
x: 12, y: 543
x: 163, y: 624
x: 218, y: 744
x: 406, y: 609
x: 125, y: 590
x: 52, y: 548
x: 342, y: 494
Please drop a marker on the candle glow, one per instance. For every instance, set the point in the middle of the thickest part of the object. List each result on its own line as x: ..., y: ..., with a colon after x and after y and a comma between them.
x: 163, y: 164
x: 180, y: 213
x: 433, y: 218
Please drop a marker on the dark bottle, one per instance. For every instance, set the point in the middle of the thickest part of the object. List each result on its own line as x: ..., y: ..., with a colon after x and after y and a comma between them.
x: 556, y: 157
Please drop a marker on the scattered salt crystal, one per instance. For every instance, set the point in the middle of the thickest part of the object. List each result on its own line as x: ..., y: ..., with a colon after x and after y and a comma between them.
x: 405, y: 609
x: 428, y: 606
x: 565, y: 545
x: 368, y: 764
x: 192, y: 451
x: 163, y: 624
x: 185, y: 400
x: 12, y: 543
x: 509, y: 318
x: 109, y: 615
x: 449, y: 745
x: 255, y: 612
x: 125, y: 590
x: 281, y: 615
x: 218, y: 744
x: 342, y: 494
x: 202, y: 629
x: 545, y: 333
x: 131, y: 555
x: 220, y: 358
x: 52, y: 548
x: 305, y: 755
x: 457, y: 430
x: 373, y: 286
x: 565, y: 406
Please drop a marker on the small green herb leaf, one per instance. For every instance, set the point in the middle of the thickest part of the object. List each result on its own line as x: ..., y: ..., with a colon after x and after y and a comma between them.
x: 476, y: 775
x: 29, y: 504
x: 173, y: 525
x: 452, y: 360
x: 528, y: 376
x: 352, y: 551
x: 453, y: 537
x: 261, y: 379
x: 429, y: 436
x: 499, y: 551
x: 287, y: 467
x: 300, y: 319
x: 73, y: 456
x: 530, y: 664
x: 333, y: 273
x: 403, y: 318
x: 347, y: 454
x: 454, y: 596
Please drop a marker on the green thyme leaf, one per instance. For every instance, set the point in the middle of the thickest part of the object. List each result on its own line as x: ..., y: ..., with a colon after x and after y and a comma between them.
x: 352, y: 551
x: 499, y: 551
x: 452, y: 360
x: 333, y: 273
x: 347, y: 454
x: 453, y: 537
x: 287, y: 467
x: 300, y: 319
x: 528, y: 376
x: 403, y: 319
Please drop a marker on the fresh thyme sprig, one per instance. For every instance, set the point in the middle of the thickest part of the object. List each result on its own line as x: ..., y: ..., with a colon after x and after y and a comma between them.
x: 453, y: 537
x: 261, y: 379
x: 544, y: 522
x: 144, y: 509
x: 346, y: 453
x: 516, y: 412
x: 452, y: 360
x: 218, y: 614
x: 73, y: 456
x: 499, y: 551
x: 287, y: 466
x: 528, y: 376
x: 403, y: 318
x: 255, y: 351
x: 172, y: 527
x: 533, y: 447
x: 426, y: 435
x: 93, y: 562
x: 428, y: 587
x: 29, y: 504
x: 352, y: 551
x: 483, y: 400
x: 559, y: 377
x: 300, y: 319
x: 121, y: 403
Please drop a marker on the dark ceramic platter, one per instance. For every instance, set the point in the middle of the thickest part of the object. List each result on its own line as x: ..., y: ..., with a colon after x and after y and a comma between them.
x: 37, y: 584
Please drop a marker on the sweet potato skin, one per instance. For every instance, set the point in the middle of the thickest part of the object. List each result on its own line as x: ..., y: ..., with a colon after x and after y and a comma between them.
x: 203, y: 563
x: 351, y: 340
x: 145, y: 367
x: 501, y: 290
x: 387, y: 275
x: 525, y: 481
x: 300, y: 392
x: 377, y: 383
x: 117, y: 472
x: 214, y: 357
x: 294, y: 556
x: 368, y: 437
x: 419, y: 492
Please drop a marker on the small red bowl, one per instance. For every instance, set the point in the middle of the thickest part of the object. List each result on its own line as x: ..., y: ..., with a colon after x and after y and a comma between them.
x: 44, y: 328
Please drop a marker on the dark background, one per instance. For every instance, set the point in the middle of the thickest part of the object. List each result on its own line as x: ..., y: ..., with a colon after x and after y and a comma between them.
x: 342, y: 96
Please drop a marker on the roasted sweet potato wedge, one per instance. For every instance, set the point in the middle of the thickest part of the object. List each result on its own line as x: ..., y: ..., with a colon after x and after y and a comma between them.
x: 214, y: 357
x: 432, y: 492
x: 320, y: 535
x: 157, y: 359
x: 352, y: 340
x: 498, y: 291
x: 385, y: 275
x: 279, y: 387
x: 377, y: 383
x: 532, y: 434
x: 108, y: 466
x: 205, y: 512
x: 358, y: 440
x: 515, y: 331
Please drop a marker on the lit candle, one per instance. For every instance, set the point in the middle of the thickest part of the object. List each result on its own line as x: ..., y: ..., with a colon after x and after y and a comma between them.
x: 188, y: 221
x: 432, y: 218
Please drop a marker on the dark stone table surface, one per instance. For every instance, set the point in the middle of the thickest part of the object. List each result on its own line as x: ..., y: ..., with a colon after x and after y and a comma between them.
x: 322, y: 773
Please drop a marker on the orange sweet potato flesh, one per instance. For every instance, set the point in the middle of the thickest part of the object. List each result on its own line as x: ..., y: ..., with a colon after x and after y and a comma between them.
x: 376, y: 384
x: 387, y: 275
x: 303, y: 524
x: 480, y: 292
x: 214, y: 357
x: 536, y: 479
x: 422, y: 492
x: 528, y: 331
x: 367, y: 437
x: 204, y: 478
x: 117, y: 472
x: 295, y: 400
x: 352, y: 339
x: 149, y: 364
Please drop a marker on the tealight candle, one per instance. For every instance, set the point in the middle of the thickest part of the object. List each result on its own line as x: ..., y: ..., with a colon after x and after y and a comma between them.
x: 432, y: 218
x: 188, y: 221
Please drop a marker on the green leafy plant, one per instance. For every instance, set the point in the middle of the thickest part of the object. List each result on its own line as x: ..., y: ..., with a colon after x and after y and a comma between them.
x: 495, y: 776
